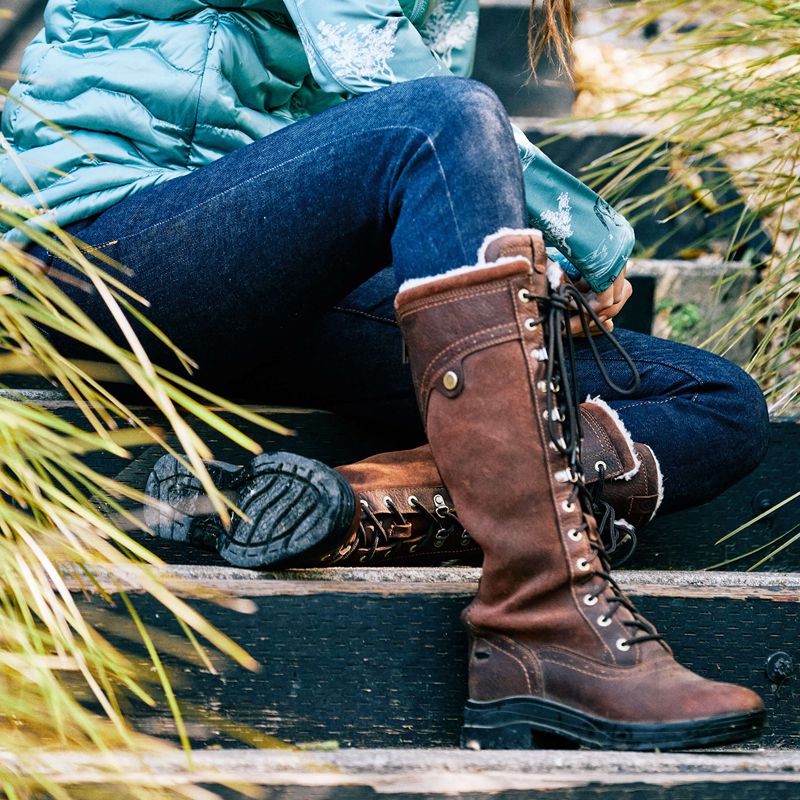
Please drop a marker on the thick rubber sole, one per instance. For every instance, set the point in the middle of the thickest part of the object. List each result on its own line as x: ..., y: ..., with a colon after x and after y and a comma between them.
x: 531, y: 723
x: 294, y: 507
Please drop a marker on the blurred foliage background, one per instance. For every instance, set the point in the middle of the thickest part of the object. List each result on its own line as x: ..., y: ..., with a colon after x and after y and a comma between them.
x: 719, y: 78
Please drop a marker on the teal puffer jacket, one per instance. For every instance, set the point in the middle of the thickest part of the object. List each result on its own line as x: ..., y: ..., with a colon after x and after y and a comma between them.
x: 143, y: 91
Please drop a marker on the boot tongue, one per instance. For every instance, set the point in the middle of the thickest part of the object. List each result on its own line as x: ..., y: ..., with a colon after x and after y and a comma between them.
x: 515, y: 245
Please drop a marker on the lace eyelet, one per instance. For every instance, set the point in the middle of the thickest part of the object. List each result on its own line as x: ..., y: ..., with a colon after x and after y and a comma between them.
x: 590, y: 600
x: 604, y: 621
x: 568, y: 506
x: 622, y: 645
x: 412, y: 500
x: 530, y: 324
x: 598, y: 465
x: 582, y: 564
x: 539, y: 354
x: 574, y: 534
x: 524, y: 296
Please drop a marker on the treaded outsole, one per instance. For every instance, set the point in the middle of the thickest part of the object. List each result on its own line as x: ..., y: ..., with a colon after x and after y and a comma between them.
x: 293, y: 507
x: 184, y: 513
x: 524, y: 723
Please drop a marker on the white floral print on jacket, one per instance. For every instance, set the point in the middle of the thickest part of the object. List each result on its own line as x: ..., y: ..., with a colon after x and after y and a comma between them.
x: 356, y: 46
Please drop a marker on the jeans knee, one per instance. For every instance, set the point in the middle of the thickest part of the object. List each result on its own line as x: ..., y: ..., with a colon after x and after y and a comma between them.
x: 749, y: 418
x: 467, y: 110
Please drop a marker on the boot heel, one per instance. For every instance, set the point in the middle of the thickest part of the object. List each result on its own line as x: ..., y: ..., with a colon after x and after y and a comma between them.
x: 519, y: 736
x: 504, y: 737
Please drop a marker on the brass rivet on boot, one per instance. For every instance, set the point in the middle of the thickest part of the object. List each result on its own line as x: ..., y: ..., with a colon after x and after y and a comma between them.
x: 450, y: 380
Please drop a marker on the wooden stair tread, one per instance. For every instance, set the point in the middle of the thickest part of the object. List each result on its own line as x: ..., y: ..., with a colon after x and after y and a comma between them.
x: 377, y: 657
x: 357, y: 774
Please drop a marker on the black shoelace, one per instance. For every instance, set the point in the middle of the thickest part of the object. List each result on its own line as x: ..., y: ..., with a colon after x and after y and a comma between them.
x: 563, y: 426
x: 374, y: 536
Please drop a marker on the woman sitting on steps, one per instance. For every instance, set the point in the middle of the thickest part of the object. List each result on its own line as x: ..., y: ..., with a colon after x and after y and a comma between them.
x: 211, y: 152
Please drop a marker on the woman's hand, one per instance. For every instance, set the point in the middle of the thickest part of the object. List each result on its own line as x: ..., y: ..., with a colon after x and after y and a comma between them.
x: 606, y: 305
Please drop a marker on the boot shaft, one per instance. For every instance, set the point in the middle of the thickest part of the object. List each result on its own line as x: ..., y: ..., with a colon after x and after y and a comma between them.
x: 478, y: 353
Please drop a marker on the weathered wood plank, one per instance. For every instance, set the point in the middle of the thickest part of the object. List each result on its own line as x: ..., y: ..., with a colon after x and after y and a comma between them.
x: 422, y: 774
x: 372, y: 667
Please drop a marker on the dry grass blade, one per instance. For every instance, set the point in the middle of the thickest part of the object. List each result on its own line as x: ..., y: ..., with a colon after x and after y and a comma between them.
x: 62, y: 681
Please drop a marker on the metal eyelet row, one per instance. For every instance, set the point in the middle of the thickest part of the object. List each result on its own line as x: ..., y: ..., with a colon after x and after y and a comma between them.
x: 554, y: 415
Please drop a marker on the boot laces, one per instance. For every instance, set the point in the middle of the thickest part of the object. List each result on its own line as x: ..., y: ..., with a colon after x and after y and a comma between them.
x: 613, y: 532
x: 377, y: 532
x: 564, y: 432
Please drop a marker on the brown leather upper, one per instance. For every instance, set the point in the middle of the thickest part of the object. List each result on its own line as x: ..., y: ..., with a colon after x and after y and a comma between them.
x: 406, y: 514
x: 604, y: 443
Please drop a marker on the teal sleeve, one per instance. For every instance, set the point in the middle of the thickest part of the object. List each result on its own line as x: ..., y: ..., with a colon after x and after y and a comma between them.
x: 356, y: 47
x: 576, y: 221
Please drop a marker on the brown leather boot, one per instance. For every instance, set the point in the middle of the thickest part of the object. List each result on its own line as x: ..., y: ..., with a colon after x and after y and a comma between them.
x: 557, y: 650
x: 623, y: 477
x: 406, y: 515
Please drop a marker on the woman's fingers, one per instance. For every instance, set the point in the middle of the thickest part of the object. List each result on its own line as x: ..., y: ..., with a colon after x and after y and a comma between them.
x: 613, y: 295
x: 577, y: 329
x: 626, y: 290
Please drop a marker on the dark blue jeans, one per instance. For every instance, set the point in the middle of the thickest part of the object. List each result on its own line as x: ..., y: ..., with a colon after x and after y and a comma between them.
x: 267, y: 267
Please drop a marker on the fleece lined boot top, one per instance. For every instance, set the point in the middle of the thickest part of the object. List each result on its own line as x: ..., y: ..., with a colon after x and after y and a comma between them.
x: 557, y: 650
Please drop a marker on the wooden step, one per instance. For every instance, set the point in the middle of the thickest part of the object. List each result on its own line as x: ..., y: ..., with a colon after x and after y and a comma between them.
x: 376, y: 657
x: 686, y: 540
x: 462, y: 775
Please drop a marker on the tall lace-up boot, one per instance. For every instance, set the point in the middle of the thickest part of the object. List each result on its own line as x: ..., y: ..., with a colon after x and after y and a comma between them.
x: 407, y: 516
x: 389, y: 510
x: 626, y: 474
x: 557, y: 651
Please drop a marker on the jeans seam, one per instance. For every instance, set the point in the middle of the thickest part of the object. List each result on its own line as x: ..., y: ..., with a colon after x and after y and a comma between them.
x: 648, y: 361
x: 623, y: 406
x: 305, y: 153
x: 365, y: 314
